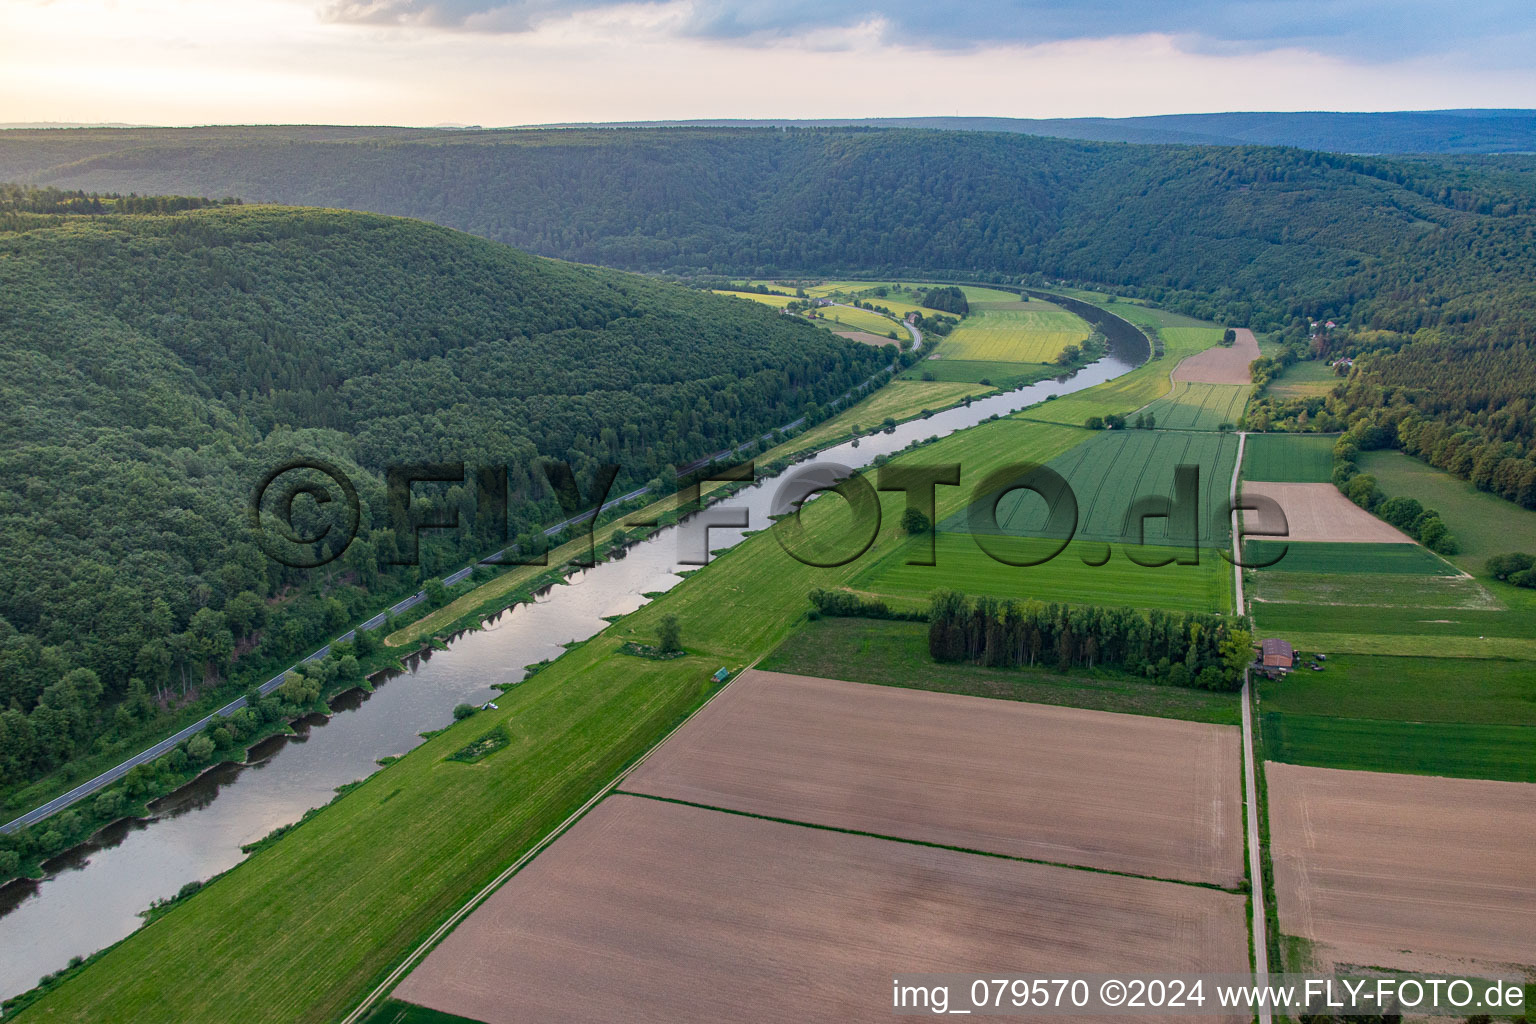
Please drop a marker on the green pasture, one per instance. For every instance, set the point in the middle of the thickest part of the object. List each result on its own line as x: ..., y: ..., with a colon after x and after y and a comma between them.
x: 896, y: 654
x: 1305, y: 379
x: 1289, y: 458
x: 1484, y: 524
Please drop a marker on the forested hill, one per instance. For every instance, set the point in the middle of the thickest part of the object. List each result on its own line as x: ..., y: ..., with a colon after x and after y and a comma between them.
x: 1389, y: 131
x: 154, y: 367
x: 1256, y: 234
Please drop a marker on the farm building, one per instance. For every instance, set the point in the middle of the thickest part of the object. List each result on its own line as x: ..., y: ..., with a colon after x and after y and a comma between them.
x: 1276, y: 654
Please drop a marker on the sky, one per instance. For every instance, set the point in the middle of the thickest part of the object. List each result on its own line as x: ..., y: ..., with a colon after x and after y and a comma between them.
x: 492, y: 63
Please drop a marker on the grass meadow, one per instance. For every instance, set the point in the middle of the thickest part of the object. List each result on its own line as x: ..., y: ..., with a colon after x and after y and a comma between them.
x: 1483, y: 524
x: 1304, y: 380
x: 896, y: 654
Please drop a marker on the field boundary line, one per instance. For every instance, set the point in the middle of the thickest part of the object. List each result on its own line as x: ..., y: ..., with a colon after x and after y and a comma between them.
x: 403, y: 968
x: 971, y: 851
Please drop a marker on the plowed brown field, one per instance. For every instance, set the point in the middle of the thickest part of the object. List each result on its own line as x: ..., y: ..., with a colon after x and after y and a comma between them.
x: 648, y: 911
x: 1221, y: 365
x: 1405, y: 871
x: 1148, y: 796
x: 1319, y: 512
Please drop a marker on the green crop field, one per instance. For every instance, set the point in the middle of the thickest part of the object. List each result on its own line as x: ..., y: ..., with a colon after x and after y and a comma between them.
x: 1484, y: 524
x: 1008, y: 330
x: 896, y: 654
x: 1502, y: 752
x: 963, y: 565
x: 1200, y: 406
x: 1113, y: 469
x: 777, y: 301
x: 860, y: 320
x: 1289, y: 458
x: 1345, y: 557
x: 1137, y: 312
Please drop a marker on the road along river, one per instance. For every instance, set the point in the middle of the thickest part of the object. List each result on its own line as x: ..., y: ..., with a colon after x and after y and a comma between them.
x: 95, y: 893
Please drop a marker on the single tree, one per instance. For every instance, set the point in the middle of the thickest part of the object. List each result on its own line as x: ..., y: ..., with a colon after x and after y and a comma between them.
x: 914, y: 521
x: 669, y: 634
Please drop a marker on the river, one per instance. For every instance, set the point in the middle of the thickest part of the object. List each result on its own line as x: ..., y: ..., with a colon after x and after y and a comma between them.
x: 95, y: 893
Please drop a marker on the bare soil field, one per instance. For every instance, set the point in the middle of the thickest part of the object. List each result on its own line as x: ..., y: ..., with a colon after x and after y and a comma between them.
x: 1404, y: 871
x: 649, y: 911
x: 1320, y: 512
x: 865, y: 338
x: 1221, y: 365
x: 1147, y: 796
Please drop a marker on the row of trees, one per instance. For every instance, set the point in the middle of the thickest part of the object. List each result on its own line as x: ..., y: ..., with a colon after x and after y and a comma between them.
x: 1180, y: 648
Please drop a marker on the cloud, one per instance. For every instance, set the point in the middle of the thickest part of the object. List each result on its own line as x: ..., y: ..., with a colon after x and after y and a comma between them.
x: 1374, y: 30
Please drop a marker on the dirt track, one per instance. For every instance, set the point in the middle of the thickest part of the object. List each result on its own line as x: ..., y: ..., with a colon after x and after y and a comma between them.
x: 1221, y: 365
x: 649, y: 911
x: 1148, y: 796
x: 1405, y: 871
x: 1320, y: 512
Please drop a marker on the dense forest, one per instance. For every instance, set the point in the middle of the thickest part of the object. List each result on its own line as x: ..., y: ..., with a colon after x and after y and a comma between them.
x: 1257, y: 235
x: 155, y: 367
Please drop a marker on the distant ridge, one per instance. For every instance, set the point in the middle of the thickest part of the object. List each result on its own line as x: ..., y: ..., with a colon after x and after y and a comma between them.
x: 1470, y: 130
x: 6, y: 125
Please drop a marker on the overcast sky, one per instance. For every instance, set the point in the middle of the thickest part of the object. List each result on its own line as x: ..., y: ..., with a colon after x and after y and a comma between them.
x: 427, y: 62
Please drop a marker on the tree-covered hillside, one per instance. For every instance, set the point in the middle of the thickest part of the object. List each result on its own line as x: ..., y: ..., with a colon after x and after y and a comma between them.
x: 1257, y: 234
x: 154, y: 367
